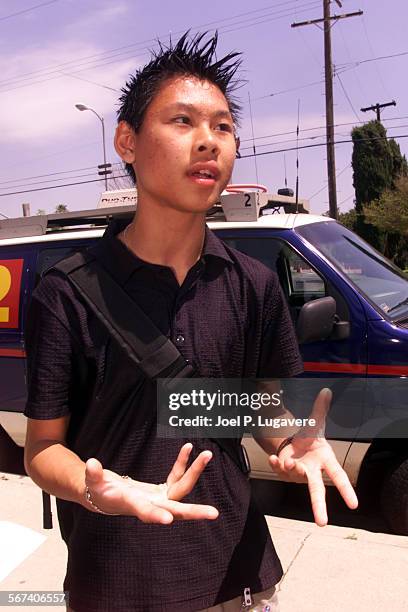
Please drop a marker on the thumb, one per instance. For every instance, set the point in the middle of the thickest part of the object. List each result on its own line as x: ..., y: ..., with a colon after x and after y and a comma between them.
x: 321, y: 407
x: 93, y: 472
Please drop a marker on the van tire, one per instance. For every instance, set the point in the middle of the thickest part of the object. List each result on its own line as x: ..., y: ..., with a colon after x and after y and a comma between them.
x: 394, y: 498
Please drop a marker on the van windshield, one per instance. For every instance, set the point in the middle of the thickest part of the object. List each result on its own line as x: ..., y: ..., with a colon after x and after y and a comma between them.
x: 383, y: 283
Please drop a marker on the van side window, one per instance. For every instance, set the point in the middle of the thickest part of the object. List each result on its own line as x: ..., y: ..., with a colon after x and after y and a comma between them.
x: 300, y: 282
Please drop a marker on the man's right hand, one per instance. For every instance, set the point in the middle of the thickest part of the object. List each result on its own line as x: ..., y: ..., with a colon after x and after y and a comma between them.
x: 151, y: 503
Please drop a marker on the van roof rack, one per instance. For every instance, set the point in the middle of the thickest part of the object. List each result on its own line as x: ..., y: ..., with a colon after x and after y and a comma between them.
x: 238, y: 206
x: 42, y: 224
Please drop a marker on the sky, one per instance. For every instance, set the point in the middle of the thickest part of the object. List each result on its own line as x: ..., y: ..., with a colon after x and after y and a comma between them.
x: 57, y: 53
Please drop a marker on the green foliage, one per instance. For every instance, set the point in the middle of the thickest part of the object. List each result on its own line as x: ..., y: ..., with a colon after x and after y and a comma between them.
x: 389, y: 214
x: 376, y: 161
x: 40, y: 211
x: 390, y: 211
x: 349, y: 219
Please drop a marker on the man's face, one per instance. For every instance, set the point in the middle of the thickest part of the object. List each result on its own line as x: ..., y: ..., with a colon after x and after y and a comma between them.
x: 185, y: 148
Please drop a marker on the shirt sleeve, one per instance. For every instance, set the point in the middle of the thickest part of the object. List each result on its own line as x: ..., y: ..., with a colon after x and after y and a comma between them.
x: 50, y: 350
x: 280, y: 357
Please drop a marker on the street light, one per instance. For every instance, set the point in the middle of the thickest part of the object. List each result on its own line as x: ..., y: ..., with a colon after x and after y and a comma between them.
x: 82, y: 107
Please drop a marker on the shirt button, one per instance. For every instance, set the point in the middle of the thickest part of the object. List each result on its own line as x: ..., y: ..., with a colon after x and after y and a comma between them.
x: 179, y: 339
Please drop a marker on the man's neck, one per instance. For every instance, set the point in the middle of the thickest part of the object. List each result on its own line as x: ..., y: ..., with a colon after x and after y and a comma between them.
x: 166, y: 237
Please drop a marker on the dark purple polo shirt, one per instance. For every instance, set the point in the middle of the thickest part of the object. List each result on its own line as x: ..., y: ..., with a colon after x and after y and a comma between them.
x: 230, y: 318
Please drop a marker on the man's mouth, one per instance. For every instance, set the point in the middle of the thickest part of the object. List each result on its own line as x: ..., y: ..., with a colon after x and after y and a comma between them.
x: 206, y: 174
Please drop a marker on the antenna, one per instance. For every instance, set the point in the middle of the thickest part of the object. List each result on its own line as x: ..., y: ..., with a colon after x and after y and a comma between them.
x: 297, y: 158
x: 284, y: 165
x: 253, y: 137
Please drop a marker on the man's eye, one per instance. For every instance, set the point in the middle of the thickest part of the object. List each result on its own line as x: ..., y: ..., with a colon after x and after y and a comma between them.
x: 182, y: 119
x: 224, y: 127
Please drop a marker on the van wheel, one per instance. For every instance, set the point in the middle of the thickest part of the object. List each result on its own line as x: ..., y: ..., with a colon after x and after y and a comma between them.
x: 394, y: 498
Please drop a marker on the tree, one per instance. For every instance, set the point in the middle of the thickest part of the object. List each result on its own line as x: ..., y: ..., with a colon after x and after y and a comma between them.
x: 349, y: 219
x: 61, y: 208
x: 40, y: 211
x: 377, y: 163
x: 389, y: 213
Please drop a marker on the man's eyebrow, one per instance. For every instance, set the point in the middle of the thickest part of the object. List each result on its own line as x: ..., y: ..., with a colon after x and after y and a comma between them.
x: 179, y: 106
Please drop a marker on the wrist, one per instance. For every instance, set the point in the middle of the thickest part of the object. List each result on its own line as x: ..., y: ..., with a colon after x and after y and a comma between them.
x: 284, y: 443
x: 90, y: 504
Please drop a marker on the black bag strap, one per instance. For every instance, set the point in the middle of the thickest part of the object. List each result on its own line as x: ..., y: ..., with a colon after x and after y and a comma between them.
x: 143, y: 342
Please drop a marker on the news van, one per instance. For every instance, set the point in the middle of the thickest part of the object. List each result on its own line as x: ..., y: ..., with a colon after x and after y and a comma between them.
x: 349, y: 306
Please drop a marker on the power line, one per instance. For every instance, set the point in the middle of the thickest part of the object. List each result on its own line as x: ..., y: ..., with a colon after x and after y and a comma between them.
x: 355, y: 74
x: 351, y: 65
x: 323, y: 144
x: 347, y: 96
x: 346, y: 199
x: 27, y: 10
x: 29, y: 178
x: 326, y: 183
x: 320, y: 127
x: 75, y: 76
x: 51, y: 180
x: 387, y: 94
x: 283, y: 91
x: 58, y: 186
x: 242, y: 157
x: 51, y: 74
x: 149, y: 41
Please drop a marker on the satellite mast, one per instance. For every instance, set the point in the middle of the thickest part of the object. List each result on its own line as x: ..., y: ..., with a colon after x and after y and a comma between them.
x: 253, y: 137
x: 297, y: 158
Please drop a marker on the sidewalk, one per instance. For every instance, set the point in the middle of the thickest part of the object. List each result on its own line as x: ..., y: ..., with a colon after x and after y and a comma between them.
x: 339, y: 569
x: 328, y: 569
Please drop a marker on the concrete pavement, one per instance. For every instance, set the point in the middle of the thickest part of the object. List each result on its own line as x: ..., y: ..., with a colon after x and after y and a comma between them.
x: 326, y: 569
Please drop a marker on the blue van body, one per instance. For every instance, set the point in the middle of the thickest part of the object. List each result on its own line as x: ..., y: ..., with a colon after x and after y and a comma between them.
x: 376, y: 346
x: 313, y: 258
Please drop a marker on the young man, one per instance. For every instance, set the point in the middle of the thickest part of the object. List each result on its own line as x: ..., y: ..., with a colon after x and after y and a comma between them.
x: 132, y: 543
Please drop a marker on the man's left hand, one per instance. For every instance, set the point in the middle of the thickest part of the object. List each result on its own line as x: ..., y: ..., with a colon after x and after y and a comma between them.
x: 308, y: 455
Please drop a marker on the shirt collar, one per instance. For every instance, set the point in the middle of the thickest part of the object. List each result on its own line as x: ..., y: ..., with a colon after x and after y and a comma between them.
x: 121, y: 262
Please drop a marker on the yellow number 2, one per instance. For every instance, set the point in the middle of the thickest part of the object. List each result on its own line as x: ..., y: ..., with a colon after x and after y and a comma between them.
x: 5, y: 286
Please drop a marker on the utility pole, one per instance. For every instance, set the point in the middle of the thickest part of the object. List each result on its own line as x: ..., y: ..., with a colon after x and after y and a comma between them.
x: 377, y: 108
x: 327, y: 22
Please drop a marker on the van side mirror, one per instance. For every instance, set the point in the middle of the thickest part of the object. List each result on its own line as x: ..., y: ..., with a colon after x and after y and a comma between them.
x: 316, y: 320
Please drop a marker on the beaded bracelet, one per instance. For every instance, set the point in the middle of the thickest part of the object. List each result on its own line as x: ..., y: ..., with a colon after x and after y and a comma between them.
x: 88, y: 499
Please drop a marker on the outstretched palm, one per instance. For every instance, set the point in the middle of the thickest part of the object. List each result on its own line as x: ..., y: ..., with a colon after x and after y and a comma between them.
x: 151, y: 503
x: 308, y: 455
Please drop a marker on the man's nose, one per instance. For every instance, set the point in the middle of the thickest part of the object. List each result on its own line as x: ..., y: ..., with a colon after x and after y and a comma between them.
x: 207, y: 141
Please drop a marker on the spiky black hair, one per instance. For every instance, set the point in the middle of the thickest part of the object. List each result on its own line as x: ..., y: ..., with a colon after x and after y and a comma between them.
x: 190, y: 56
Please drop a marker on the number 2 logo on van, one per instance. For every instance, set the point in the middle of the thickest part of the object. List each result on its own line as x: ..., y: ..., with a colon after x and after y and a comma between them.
x: 10, y: 284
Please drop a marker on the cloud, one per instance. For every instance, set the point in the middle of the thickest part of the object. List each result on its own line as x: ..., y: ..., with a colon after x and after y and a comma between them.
x: 96, y: 19
x: 44, y: 110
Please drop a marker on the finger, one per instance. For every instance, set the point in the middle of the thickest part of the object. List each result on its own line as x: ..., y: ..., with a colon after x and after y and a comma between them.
x: 320, y: 408
x: 149, y: 513
x: 93, y: 472
x: 342, y: 483
x: 289, y: 470
x: 180, y: 464
x: 276, y: 464
x: 317, y: 493
x: 295, y: 469
x: 186, y: 483
x: 184, y: 511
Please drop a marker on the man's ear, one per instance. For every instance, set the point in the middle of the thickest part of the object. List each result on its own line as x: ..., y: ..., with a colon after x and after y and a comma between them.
x: 125, y: 142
